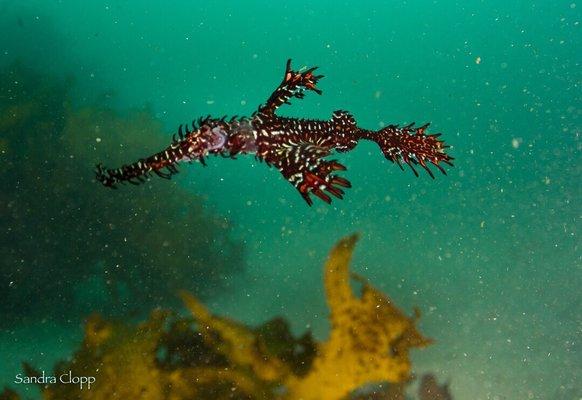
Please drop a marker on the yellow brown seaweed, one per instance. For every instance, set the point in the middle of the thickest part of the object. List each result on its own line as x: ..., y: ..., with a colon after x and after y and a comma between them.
x: 369, y: 339
x: 240, y: 344
x: 212, y: 357
x: 120, y: 357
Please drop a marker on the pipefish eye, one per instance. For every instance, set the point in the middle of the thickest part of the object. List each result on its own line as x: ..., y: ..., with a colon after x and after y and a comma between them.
x: 217, y: 137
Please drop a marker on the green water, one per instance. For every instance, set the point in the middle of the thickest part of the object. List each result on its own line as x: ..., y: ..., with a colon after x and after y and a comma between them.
x: 490, y: 253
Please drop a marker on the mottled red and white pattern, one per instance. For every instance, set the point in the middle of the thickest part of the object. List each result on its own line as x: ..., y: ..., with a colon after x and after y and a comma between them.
x: 298, y: 148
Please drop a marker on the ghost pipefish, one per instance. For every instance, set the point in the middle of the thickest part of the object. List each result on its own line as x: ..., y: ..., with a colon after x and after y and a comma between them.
x: 298, y: 148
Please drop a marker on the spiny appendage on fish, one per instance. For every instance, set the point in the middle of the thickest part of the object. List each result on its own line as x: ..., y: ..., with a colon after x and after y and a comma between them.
x: 298, y: 148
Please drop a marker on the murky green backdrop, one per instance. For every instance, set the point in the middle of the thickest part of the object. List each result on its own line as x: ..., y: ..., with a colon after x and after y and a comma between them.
x: 490, y: 252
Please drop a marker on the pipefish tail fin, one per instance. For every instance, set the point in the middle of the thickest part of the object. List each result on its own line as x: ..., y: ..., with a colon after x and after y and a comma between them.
x: 413, y: 146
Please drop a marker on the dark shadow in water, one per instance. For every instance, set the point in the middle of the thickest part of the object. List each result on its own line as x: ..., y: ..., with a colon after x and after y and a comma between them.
x: 70, y: 245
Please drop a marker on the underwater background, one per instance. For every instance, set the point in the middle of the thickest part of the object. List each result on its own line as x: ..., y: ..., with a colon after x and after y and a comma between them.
x: 489, y: 253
